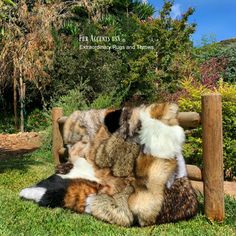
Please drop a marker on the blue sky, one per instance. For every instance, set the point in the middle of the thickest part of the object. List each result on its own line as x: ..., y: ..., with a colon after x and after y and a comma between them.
x: 215, y: 19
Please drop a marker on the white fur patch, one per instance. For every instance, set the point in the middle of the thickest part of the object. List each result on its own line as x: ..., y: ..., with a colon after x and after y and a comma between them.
x: 33, y: 193
x: 89, y: 202
x: 81, y: 169
x: 159, y: 139
x: 180, y: 172
x: 181, y: 166
x: 171, y: 180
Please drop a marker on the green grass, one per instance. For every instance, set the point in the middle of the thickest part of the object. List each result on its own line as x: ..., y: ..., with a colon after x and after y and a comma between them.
x: 19, y: 217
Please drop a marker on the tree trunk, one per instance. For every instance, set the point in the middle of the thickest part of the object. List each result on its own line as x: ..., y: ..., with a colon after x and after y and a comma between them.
x: 15, y: 102
x: 22, y: 101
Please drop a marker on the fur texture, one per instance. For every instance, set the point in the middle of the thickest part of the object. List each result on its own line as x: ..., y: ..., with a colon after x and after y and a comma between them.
x: 152, y: 175
x: 61, y: 192
x: 80, y: 129
x: 159, y: 139
x: 78, y: 150
x: 117, y: 154
x: 77, y: 193
x: 81, y: 169
x: 180, y: 202
x: 63, y: 168
x: 161, y: 135
x: 54, y: 189
x: 165, y: 112
x: 118, y: 185
x: 113, y: 184
x: 33, y: 193
x: 113, y: 209
x: 82, y: 124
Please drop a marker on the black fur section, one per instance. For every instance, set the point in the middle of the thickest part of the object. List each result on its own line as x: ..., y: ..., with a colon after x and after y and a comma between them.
x: 112, y: 120
x: 56, y: 190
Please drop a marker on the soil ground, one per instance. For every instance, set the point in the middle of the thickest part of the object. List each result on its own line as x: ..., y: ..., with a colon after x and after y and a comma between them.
x: 13, y: 145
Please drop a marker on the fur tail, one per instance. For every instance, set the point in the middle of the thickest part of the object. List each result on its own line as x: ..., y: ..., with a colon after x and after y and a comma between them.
x: 49, y: 192
x: 113, y: 209
x: 180, y: 202
x: 146, y: 202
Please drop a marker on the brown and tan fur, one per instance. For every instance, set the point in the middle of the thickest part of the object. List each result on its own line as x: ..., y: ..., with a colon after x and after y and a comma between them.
x: 79, y: 149
x: 114, y: 209
x: 152, y: 173
x: 180, y: 202
x: 77, y: 193
x: 120, y: 159
x: 165, y: 112
x: 113, y: 183
x: 63, y: 168
x: 151, y: 176
x: 83, y: 125
x: 130, y: 122
x: 80, y: 129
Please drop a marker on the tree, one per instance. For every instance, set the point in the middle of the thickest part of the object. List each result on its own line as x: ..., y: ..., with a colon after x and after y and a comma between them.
x: 41, y: 48
x: 27, y: 49
x: 147, y: 47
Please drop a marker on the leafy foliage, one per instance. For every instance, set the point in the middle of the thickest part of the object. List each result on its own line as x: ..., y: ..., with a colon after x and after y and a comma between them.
x: 42, y: 45
x: 218, y: 60
x: 140, y: 58
x: 192, y: 102
x: 37, y: 120
x: 74, y: 100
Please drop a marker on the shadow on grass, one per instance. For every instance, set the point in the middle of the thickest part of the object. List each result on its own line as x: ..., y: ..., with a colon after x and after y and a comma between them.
x: 19, y: 159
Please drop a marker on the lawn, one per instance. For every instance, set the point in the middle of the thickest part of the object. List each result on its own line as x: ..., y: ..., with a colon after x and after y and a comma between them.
x: 18, y: 217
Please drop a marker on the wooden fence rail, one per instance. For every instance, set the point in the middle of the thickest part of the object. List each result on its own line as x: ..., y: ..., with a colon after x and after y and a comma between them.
x: 212, y: 173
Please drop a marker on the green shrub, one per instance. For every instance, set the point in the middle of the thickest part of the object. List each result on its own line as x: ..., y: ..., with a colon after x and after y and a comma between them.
x: 74, y: 100
x: 223, y: 53
x: 7, y: 124
x: 105, y: 101
x: 192, y: 102
x: 37, y: 120
x: 229, y: 53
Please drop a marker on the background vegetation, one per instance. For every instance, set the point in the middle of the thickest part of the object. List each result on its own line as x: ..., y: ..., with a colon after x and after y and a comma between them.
x: 42, y: 64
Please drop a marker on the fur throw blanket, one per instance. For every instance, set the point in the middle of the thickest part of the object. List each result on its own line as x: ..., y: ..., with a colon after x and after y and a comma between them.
x: 125, y: 167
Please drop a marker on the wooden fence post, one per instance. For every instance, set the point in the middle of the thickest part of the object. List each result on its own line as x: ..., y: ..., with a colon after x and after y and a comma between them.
x: 213, y: 157
x: 57, y: 141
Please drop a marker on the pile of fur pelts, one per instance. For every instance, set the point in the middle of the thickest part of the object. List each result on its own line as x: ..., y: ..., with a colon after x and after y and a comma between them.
x: 125, y: 167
